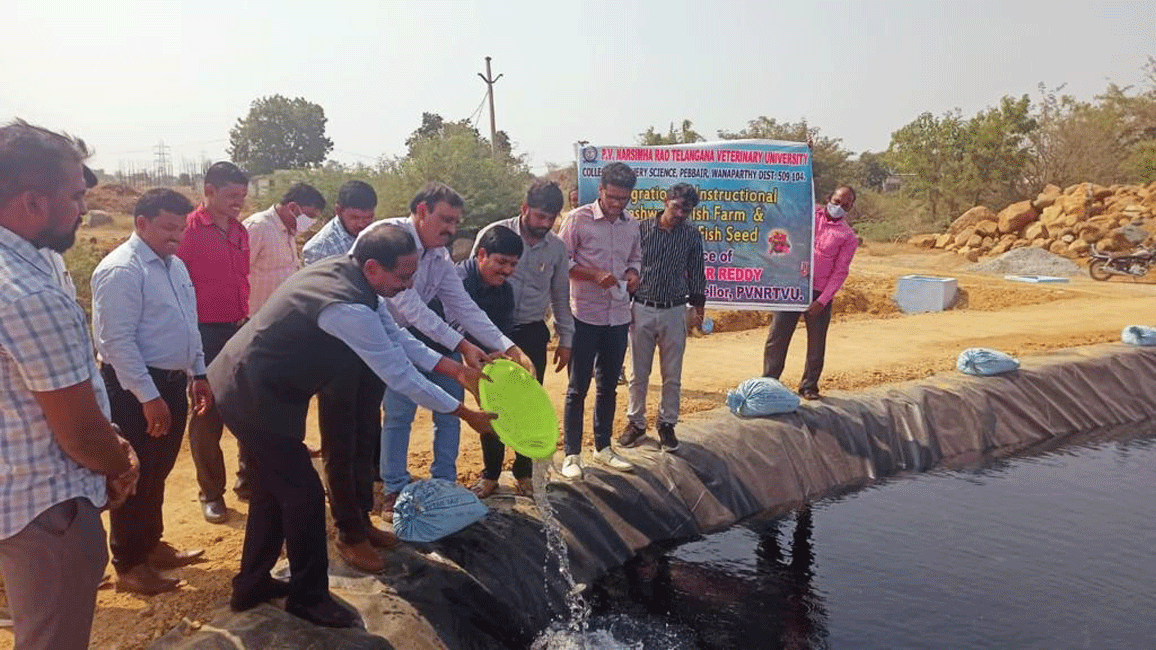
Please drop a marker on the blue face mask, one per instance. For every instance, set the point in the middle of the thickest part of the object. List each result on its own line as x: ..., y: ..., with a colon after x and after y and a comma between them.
x: 836, y: 211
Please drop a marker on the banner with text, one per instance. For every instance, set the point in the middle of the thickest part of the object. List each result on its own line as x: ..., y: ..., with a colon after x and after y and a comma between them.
x: 755, y: 212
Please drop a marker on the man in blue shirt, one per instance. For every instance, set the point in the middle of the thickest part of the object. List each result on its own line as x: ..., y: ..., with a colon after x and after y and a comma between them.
x: 144, y: 323
x: 349, y: 408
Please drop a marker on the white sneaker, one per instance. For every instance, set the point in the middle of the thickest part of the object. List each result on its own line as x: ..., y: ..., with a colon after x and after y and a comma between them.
x: 607, y: 457
x: 572, y: 466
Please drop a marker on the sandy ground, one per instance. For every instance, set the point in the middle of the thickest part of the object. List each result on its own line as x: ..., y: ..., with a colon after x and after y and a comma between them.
x: 870, y: 343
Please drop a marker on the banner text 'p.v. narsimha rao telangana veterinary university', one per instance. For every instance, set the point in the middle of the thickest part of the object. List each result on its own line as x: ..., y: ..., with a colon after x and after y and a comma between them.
x: 755, y: 212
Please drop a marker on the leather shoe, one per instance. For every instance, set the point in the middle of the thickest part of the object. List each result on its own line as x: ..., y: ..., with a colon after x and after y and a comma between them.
x: 387, y: 503
x: 268, y: 590
x: 215, y: 511
x: 361, y: 556
x: 631, y: 435
x: 810, y: 393
x: 326, y: 613
x: 380, y: 538
x: 165, y: 556
x: 143, y: 579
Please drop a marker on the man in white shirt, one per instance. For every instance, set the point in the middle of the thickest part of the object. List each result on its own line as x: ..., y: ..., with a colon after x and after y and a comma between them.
x: 435, y: 212
x: 273, y: 240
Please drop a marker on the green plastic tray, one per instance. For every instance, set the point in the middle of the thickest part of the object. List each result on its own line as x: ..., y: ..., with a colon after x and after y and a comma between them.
x: 526, y: 422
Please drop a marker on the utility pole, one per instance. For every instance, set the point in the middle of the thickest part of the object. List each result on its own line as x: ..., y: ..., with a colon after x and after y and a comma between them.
x: 490, y: 80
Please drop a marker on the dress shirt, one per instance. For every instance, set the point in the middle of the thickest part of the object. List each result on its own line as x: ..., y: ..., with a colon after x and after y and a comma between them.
x: 595, y: 241
x: 331, y: 239
x: 541, y: 280
x: 672, y: 267
x: 388, y: 350
x: 218, y: 263
x: 44, y: 346
x: 835, y: 245
x: 63, y: 279
x: 272, y: 255
x: 436, y: 277
x: 144, y: 315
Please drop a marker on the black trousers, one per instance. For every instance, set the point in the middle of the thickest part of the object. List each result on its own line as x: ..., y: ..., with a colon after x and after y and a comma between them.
x: 349, y: 416
x: 779, y: 339
x: 532, y: 339
x: 137, y: 526
x: 205, y: 430
x: 286, y: 506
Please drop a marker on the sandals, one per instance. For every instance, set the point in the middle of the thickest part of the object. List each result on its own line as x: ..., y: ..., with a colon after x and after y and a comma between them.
x: 524, y: 487
x: 484, y: 487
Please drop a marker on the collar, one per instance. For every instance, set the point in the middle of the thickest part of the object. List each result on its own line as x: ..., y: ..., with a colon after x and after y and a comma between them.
x: 276, y: 218
x: 202, y: 217
x: 143, y: 250
x: 598, y: 214
x: 25, y: 250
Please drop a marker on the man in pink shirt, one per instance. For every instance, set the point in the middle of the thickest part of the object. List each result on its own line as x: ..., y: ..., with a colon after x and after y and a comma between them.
x: 605, y: 254
x: 835, y: 245
x: 216, y: 251
x: 273, y: 253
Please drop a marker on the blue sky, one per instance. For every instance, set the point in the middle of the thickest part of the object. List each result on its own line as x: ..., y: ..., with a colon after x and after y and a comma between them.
x: 125, y: 74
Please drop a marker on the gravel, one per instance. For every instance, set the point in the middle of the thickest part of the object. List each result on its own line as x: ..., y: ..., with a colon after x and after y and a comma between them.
x: 1027, y: 261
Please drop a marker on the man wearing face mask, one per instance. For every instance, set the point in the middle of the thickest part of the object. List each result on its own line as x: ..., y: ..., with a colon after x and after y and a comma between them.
x: 835, y: 245
x: 273, y: 241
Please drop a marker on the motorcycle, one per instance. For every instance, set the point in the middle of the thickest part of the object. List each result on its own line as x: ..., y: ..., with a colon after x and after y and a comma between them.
x: 1102, y: 266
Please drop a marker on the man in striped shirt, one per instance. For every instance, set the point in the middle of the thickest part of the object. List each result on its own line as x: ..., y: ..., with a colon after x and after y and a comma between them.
x: 672, y: 277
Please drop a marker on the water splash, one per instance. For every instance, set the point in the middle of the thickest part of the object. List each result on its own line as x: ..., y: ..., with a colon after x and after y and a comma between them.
x: 578, y: 610
x: 579, y: 630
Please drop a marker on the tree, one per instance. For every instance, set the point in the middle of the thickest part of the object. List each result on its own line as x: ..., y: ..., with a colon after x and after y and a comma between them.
x: 995, y: 145
x: 456, y: 154
x: 685, y: 135
x: 871, y: 170
x: 280, y: 133
x: 928, y: 152
x: 830, y: 162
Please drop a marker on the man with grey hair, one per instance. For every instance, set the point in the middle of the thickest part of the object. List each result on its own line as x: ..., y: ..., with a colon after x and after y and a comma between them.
x: 65, y: 460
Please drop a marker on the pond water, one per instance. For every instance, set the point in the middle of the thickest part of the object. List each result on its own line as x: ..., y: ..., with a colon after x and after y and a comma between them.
x: 1050, y: 551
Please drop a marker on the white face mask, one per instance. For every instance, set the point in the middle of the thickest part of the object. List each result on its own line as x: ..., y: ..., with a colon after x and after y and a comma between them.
x: 836, y: 211
x: 304, y: 222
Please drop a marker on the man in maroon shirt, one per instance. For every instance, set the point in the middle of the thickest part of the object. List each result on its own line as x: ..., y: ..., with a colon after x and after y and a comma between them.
x: 216, y: 251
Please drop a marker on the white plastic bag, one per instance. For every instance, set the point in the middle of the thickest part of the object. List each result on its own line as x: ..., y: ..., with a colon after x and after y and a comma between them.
x: 429, y: 510
x: 983, y: 362
x: 1139, y: 335
x: 761, y: 396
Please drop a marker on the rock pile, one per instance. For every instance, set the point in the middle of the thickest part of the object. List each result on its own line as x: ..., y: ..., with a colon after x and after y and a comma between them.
x: 1027, y: 260
x: 1065, y: 222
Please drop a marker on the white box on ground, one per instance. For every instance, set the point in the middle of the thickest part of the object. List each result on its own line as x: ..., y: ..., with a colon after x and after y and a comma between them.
x: 920, y: 293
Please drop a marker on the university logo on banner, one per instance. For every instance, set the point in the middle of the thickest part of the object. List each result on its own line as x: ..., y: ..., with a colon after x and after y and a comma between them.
x: 755, y: 212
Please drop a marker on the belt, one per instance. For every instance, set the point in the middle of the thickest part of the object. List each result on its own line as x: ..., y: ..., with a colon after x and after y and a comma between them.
x: 234, y: 324
x: 159, y: 374
x: 169, y: 376
x: 661, y: 305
